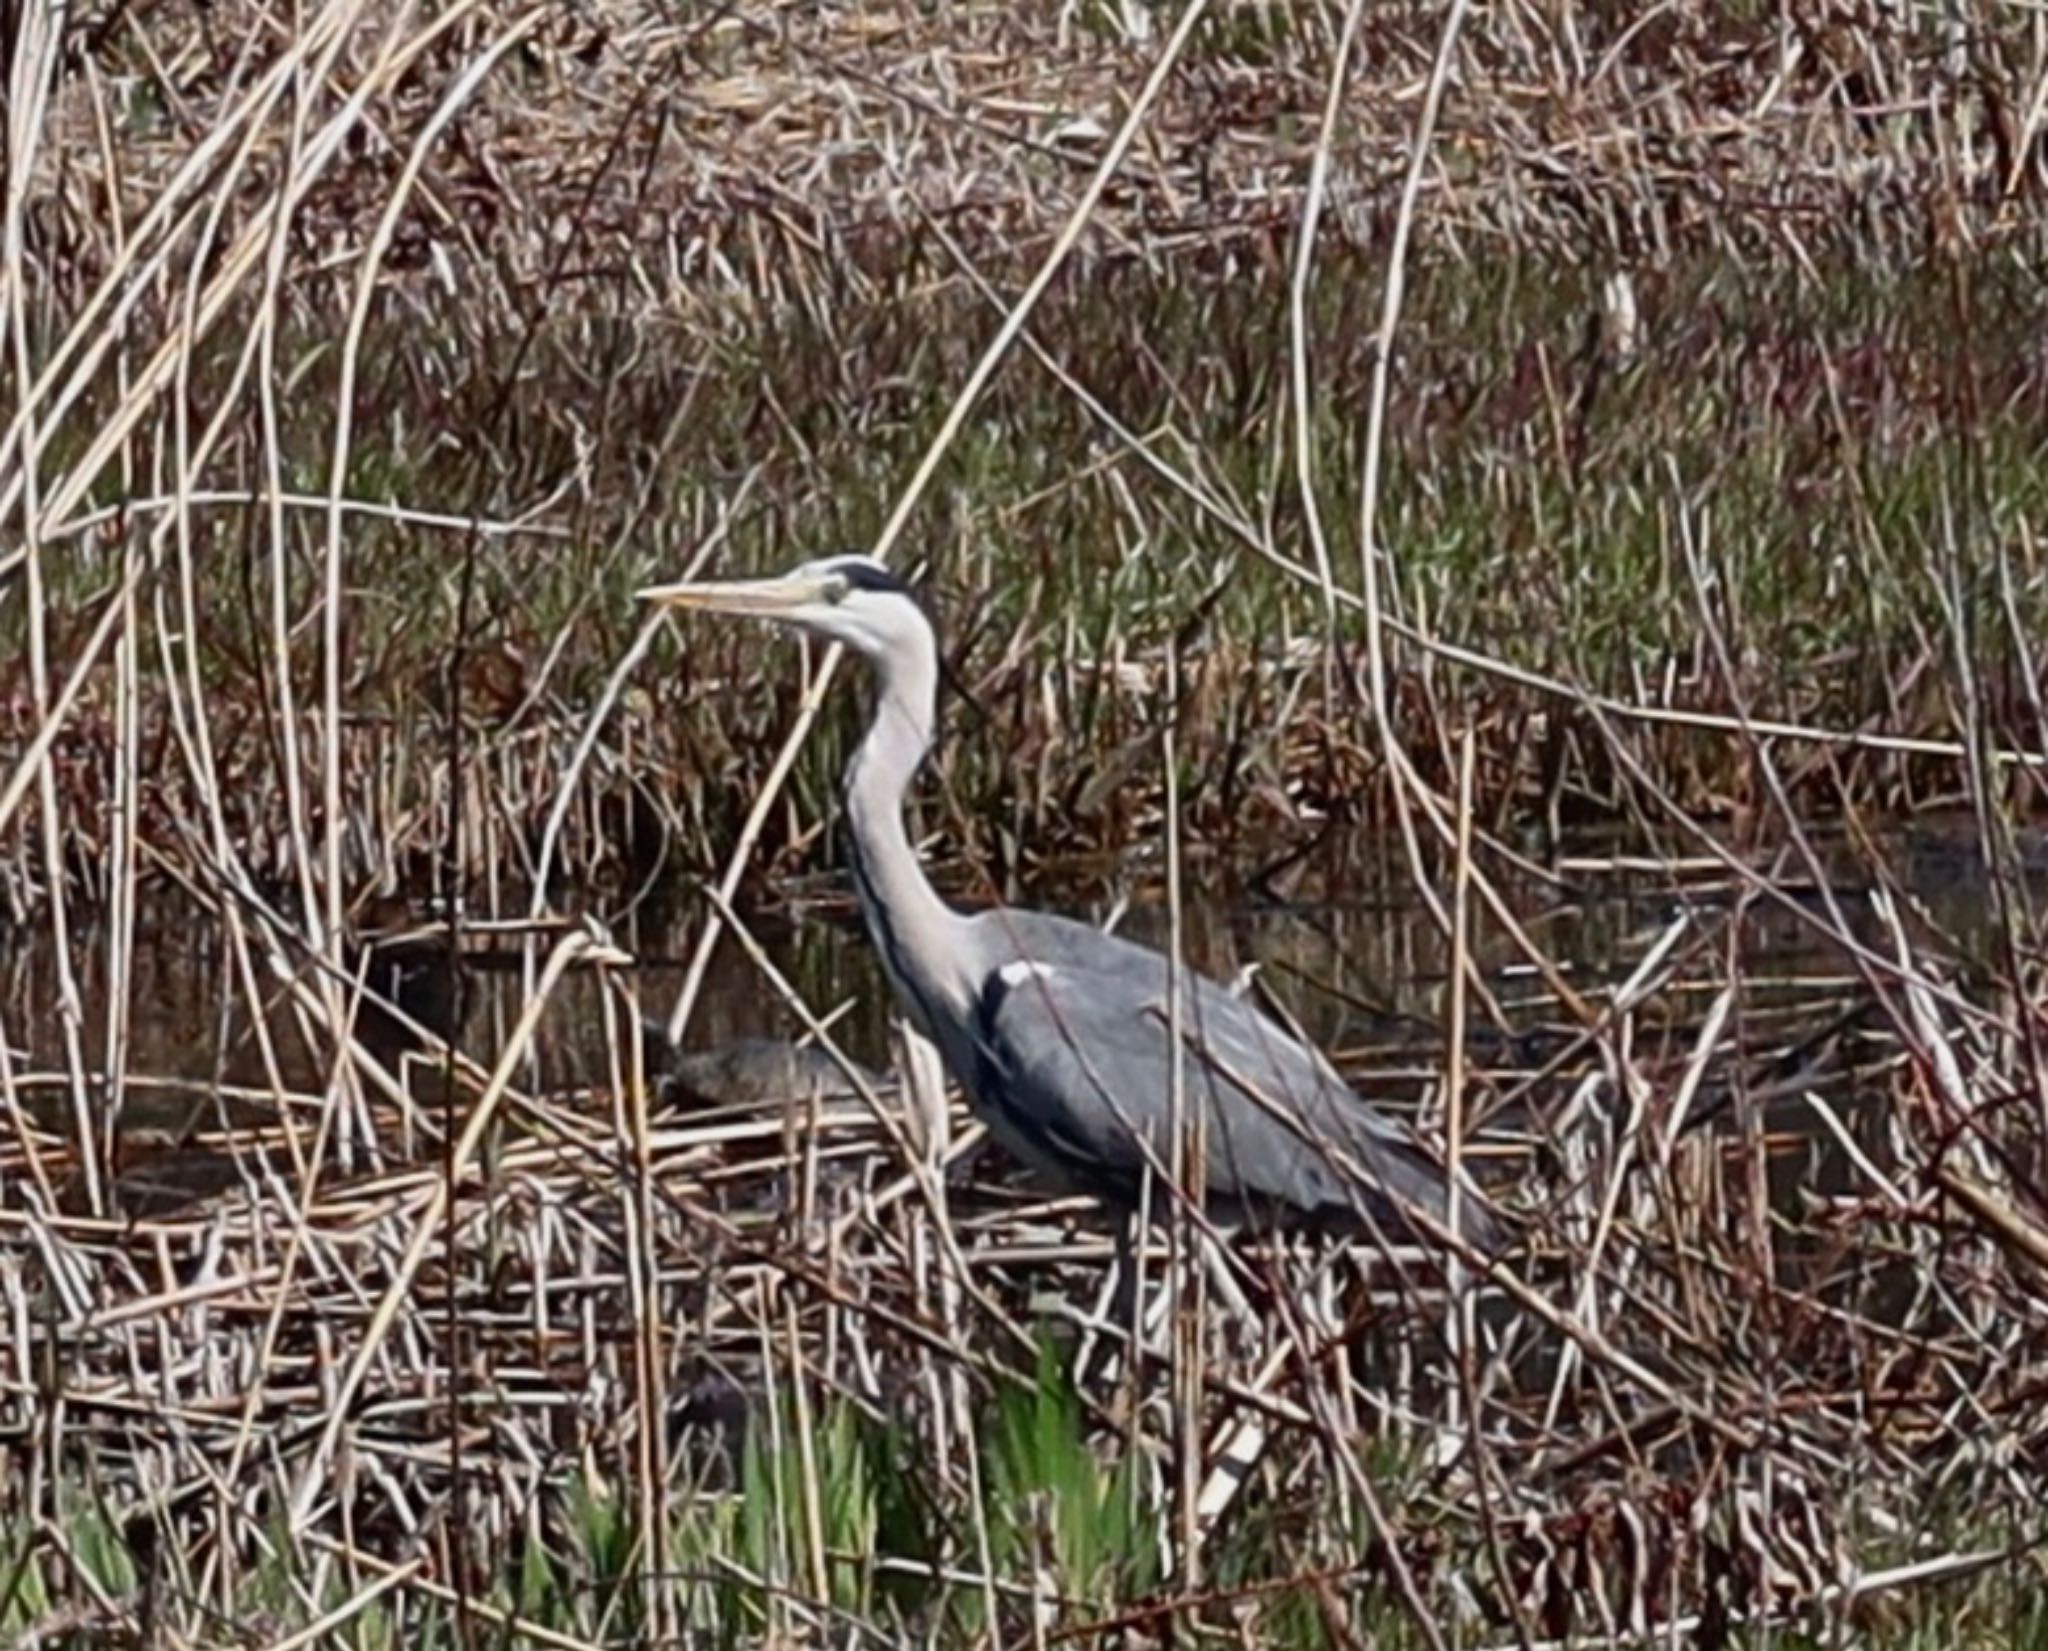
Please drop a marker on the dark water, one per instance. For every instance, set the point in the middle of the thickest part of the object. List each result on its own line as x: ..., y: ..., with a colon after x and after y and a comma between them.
x: 1365, y: 973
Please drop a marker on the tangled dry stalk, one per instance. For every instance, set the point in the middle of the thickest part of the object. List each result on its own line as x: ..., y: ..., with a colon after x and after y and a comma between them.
x: 361, y: 366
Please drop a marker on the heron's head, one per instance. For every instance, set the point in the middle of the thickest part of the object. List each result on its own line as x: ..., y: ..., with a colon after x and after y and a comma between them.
x: 848, y: 598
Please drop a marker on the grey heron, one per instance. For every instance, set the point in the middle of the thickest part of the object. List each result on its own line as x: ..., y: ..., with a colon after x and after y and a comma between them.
x: 1062, y: 1036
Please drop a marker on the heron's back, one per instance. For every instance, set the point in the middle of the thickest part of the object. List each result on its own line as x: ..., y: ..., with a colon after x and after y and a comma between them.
x: 1070, y: 1057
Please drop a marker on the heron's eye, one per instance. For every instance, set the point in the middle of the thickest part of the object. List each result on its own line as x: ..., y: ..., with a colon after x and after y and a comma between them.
x: 836, y: 588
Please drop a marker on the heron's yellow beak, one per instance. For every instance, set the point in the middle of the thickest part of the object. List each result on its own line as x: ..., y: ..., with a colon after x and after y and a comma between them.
x: 780, y: 598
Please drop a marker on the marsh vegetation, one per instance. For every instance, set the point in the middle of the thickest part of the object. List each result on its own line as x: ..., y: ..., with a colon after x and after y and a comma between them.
x: 1600, y: 691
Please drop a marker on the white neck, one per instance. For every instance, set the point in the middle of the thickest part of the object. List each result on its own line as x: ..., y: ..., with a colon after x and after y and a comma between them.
x: 916, y: 933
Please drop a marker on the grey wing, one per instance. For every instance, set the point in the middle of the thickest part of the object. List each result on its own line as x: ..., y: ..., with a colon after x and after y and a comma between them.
x: 1074, y: 1070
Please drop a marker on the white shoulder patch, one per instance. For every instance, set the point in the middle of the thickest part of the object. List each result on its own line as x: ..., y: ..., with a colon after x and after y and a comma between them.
x: 1015, y: 974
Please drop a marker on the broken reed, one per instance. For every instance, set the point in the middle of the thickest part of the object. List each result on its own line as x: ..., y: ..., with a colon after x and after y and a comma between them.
x: 619, y: 314
x: 1819, y: 521
x: 1724, y: 315
x: 1767, y: 1357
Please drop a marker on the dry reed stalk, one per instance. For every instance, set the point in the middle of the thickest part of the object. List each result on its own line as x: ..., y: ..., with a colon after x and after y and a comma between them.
x: 1723, y: 1364
x: 963, y: 402
x: 1184, y: 1299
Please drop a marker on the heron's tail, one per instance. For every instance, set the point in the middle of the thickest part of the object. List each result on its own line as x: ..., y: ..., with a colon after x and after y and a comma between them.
x: 1404, y: 1179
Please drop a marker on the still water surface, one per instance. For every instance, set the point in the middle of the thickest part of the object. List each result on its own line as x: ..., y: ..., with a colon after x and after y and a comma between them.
x: 1364, y: 973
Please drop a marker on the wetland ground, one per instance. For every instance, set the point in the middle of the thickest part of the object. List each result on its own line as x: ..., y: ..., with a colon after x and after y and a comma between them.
x: 1538, y: 506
